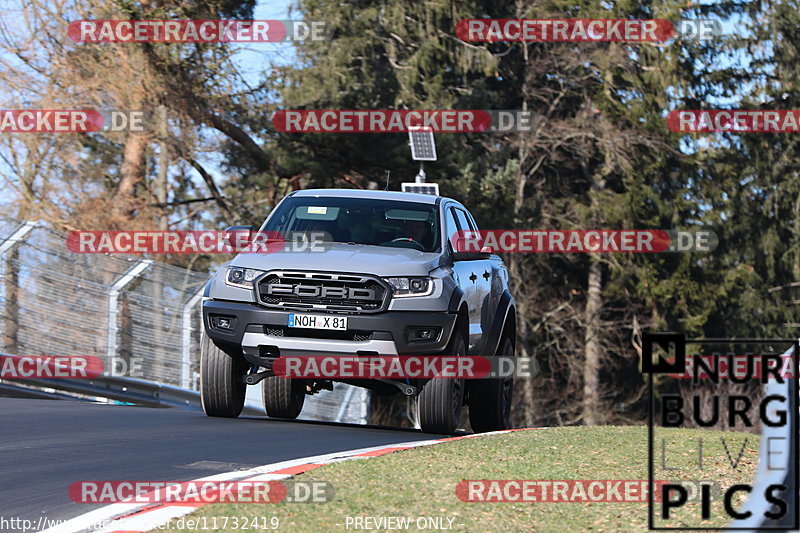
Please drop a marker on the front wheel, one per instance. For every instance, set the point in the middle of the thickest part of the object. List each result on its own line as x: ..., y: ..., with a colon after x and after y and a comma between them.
x: 283, y: 397
x: 490, y: 399
x: 222, y: 388
x: 442, y: 399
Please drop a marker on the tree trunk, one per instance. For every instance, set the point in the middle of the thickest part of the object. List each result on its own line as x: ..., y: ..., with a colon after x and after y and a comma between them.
x: 131, y: 173
x: 527, y: 382
x: 161, y: 365
x: 515, y: 261
x: 10, y: 315
x: 591, y: 368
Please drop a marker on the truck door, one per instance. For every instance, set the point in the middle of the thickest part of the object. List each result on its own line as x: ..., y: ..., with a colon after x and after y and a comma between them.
x: 474, y: 275
x: 488, y: 291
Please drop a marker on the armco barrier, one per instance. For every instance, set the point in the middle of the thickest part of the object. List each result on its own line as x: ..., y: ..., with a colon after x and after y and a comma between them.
x: 121, y: 389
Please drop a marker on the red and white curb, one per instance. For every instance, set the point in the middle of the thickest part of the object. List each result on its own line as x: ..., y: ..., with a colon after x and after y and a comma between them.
x: 137, y: 517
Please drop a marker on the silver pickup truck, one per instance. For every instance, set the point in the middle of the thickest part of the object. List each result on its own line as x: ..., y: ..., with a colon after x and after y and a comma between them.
x: 385, y: 280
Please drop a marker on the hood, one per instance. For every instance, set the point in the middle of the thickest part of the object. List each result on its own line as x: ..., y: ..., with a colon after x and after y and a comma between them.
x: 342, y: 257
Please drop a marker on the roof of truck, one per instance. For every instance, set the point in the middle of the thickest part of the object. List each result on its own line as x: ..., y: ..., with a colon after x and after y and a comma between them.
x: 377, y: 195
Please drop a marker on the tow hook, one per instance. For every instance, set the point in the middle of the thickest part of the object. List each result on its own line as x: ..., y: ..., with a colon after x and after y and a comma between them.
x: 252, y: 379
x: 408, y: 390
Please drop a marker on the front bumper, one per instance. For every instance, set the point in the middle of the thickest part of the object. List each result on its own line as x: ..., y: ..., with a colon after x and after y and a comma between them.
x: 254, y: 330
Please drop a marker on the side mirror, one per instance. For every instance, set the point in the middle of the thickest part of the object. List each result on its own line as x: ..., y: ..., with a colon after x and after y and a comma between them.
x: 471, y: 256
x: 464, y: 246
x: 241, y: 236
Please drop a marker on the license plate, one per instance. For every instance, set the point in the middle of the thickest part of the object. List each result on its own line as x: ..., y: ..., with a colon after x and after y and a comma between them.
x: 317, y: 321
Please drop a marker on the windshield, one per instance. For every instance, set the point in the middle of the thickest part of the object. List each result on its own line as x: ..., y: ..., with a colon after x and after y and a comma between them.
x: 358, y: 221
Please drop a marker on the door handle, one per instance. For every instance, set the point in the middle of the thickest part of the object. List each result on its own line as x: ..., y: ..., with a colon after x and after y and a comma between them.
x: 473, y: 277
x: 486, y: 274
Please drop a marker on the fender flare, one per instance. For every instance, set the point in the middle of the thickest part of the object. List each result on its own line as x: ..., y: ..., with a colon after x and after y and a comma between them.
x: 456, y: 299
x: 505, y: 306
x: 458, y: 302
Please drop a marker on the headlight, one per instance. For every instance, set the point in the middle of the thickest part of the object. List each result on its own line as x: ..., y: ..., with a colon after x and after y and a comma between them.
x: 241, y: 277
x: 404, y: 287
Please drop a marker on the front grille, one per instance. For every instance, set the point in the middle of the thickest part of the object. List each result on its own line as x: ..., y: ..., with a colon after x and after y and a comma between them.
x: 316, y: 291
x: 353, y: 335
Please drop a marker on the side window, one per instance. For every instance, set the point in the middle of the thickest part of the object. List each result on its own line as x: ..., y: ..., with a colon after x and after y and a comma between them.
x: 463, y: 222
x: 467, y: 224
x: 472, y: 222
x: 450, y: 225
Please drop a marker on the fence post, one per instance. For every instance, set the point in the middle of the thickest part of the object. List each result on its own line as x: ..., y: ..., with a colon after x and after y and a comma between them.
x: 186, y: 340
x: 16, y: 237
x: 10, y: 314
x: 365, y: 394
x: 113, y: 301
x: 343, y: 407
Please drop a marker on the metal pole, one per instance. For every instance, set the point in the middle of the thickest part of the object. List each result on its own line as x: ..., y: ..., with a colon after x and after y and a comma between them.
x: 365, y: 398
x: 16, y: 237
x: 345, y: 404
x: 113, y: 301
x: 421, y: 176
x: 161, y: 365
x: 9, y: 273
x: 186, y: 340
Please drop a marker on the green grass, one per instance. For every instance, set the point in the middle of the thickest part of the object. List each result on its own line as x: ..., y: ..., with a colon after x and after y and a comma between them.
x: 422, y: 481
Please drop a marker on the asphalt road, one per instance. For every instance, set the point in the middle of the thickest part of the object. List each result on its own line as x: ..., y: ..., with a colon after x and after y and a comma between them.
x: 45, y: 445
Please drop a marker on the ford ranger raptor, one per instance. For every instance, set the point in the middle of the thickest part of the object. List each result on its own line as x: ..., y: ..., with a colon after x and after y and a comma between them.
x: 387, y: 271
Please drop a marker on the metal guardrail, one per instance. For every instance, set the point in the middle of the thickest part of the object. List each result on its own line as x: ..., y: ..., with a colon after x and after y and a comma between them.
x: 122, y: 389
x: 127, y: 390
x: 12, y: 390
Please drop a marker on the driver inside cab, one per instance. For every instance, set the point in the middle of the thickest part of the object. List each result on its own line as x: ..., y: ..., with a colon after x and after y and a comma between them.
x: 417, y: 230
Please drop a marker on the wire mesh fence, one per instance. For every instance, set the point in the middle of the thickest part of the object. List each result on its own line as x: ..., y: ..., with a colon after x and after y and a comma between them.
x: 128, y: 311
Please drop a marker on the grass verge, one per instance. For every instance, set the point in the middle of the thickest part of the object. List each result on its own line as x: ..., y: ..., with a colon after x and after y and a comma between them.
x: 421, y: 482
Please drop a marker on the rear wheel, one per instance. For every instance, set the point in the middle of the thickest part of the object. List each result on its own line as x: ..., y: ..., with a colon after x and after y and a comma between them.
x: 441, y: 400
x: 221, y: 386
x: 490, y: 399
x: 283, y: 397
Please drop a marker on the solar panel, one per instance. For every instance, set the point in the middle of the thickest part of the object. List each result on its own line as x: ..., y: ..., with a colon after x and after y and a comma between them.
x: 422, y: 188
x: 422, y: 146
